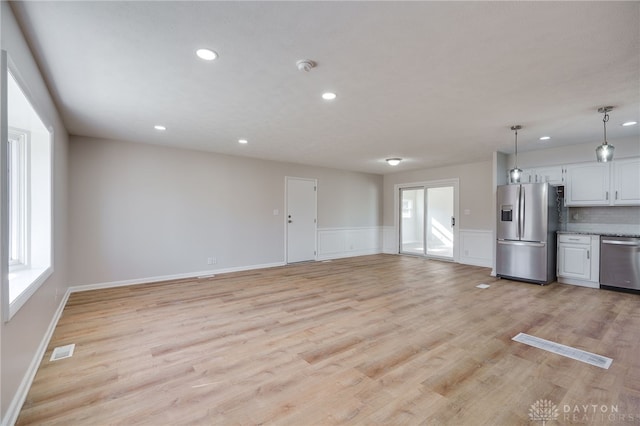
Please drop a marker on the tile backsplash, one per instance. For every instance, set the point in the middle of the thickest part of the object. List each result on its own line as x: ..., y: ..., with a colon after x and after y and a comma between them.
x: 613, y: 215
x: 619, y: 219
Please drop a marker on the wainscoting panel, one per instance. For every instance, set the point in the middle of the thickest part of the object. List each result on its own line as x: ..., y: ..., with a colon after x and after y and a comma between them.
x: 476, y: 247
x: 389, y: 240
x: 334, y: 243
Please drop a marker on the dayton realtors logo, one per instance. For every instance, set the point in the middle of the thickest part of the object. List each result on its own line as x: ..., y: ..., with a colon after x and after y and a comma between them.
x: 543, y: 411
x: 546, y: 411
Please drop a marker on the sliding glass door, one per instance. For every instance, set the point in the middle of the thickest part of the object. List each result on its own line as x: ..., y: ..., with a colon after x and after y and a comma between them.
x: 427, y: 220
x: 412, y: 221
x: 440, y: 221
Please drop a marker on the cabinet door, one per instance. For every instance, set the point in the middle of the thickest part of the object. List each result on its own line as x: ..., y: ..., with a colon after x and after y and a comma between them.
x: 528, y: 176
x: 587, y: 185
x: 626, y: 182
x: 552, y: 175
x: 574, y: 261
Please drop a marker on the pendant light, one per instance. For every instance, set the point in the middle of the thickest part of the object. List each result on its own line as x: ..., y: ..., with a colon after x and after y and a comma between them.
x: 515, y: 173
x: 604, y: 152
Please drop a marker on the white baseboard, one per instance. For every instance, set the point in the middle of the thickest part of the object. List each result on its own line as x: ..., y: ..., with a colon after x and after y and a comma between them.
x: 148, y: 280
x: 342, y: 255
x: 20, y: 396
x: 581, y: 283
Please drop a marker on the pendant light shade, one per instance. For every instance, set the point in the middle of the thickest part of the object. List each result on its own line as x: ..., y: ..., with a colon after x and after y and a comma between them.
x: 515, y: 174
x: 604, y: 152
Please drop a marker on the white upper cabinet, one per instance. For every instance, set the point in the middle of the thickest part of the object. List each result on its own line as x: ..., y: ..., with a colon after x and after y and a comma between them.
x: 553, y: 175
x: 626, y: 182
x: 528, y: 176
x: 587, y: 185
x: 616, y: 183
x: 603, y: 184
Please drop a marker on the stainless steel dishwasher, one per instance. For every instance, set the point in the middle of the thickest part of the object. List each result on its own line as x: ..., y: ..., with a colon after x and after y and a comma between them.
x: 620, y: 262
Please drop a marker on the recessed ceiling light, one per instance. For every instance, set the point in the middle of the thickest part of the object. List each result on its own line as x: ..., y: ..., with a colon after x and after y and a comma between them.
x: 160, y: 127
x: 545, y: 138
x: 630, y: 123
x: 206, y: 54
x: 329, y: 96
x: 243, y: 141
x: 393, y: 161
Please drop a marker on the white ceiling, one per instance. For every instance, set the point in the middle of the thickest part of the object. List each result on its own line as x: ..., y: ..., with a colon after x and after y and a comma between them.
x: 435, y: 83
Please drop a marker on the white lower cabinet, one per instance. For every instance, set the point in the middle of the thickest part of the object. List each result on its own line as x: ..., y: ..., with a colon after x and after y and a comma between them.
x: 579, y: 259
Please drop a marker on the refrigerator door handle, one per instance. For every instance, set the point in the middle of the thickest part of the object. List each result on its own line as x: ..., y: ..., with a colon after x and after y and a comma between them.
x: 522, y: 210
x: 522, y: 243
x: 518, y: 213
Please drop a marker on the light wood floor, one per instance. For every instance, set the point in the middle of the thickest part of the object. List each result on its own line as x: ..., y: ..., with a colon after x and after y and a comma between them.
x: 370, y: 340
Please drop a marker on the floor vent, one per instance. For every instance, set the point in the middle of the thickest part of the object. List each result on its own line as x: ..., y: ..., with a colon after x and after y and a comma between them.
x: 62, y: 352
x: 568, y: 351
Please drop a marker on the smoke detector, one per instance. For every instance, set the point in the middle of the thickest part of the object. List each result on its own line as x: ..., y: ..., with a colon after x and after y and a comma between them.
x: 305, y: 65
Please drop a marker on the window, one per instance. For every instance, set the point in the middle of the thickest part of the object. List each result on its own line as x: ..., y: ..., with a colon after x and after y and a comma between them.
x: 26, y: 195
x: 17, y: 161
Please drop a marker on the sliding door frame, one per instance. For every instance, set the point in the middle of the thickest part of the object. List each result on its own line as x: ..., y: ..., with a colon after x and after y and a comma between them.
x: 455, y: 183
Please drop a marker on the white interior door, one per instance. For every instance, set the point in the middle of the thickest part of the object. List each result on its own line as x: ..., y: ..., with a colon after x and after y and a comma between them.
x: 301, y: 219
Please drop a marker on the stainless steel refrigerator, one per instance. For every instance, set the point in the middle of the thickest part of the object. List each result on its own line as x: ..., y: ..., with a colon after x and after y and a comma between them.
x: 526, y: 232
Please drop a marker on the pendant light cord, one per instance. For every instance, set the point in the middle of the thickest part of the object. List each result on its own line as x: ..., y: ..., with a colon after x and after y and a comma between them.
x: 604, y: 123
x: 517, y: 148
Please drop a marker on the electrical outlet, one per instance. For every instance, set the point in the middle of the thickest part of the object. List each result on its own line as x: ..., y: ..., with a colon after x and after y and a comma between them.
x: 214, y: 260
x: 210, y: 261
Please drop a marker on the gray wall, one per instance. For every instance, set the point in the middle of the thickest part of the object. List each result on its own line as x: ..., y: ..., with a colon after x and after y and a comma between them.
x: 475, y: 191
x: 141, y: 211
x: 21, y: 336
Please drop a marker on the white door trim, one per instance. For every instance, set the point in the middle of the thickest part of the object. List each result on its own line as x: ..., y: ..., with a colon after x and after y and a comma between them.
x: 455, y: 182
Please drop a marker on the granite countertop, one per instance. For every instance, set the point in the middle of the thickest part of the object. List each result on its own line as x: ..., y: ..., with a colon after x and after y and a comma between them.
x: 603, y: 234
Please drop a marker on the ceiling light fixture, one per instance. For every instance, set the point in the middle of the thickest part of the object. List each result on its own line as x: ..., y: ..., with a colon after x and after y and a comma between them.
x: 329, y: 96
x: 545, y: 138
x: 160, y: 127
x: 515, y: 173
x: 206, y: 54
x: 630, y: 123
x: 604, y: 152
x: 393, y: 161
x: 243, y: 141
